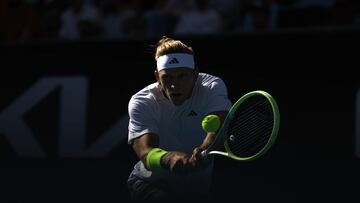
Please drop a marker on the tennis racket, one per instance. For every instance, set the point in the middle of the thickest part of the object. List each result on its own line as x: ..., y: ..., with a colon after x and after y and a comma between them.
x: 249, y: 129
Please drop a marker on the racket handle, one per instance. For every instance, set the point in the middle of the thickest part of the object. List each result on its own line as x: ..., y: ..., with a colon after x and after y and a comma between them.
x: 204, y: 154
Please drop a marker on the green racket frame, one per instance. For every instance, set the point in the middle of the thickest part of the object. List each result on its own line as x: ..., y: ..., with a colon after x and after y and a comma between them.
x: 231, y: 114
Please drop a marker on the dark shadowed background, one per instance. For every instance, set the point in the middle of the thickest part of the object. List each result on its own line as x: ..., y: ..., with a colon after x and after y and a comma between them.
x: 63, y: 109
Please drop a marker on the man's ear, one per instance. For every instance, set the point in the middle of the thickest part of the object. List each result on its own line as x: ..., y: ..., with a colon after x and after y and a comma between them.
x: 156, y: 74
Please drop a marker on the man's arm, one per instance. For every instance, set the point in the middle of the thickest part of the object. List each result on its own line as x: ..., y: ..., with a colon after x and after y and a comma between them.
x: 209, y: 139
x: 174, y: 161
x: 144, y: 144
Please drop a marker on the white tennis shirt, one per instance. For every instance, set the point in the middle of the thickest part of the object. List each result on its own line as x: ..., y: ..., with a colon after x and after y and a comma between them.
x: 178, y: 127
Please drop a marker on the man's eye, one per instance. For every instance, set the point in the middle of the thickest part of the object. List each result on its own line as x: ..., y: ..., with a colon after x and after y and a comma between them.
x: 184, y: 76
x: 167, y: 78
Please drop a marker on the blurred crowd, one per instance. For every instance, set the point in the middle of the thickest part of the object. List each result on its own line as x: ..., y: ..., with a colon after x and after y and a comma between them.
x: 23, y: 20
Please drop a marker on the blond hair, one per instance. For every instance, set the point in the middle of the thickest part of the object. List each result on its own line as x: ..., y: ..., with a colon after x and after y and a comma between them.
x: 167, y: 45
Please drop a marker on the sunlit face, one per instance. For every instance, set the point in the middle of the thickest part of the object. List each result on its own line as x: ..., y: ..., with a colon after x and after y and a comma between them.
x: 177, y: 83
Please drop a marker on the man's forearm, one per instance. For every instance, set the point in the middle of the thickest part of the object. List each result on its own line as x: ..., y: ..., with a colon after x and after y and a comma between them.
x: 210, y: 137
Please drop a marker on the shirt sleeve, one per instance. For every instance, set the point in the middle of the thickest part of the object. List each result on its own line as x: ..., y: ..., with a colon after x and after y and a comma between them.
x: 142, y: 118
x: 219, y: 100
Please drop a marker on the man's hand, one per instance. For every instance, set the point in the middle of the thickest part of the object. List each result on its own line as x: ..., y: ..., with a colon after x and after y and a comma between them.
x: 197, y: 161
x: 177, y: 162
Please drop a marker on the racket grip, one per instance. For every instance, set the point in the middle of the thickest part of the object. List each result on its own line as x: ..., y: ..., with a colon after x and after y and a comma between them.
x: 204, y: 154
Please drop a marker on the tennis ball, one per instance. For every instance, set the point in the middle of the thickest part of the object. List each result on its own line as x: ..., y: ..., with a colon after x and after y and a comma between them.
x: 211, y: 123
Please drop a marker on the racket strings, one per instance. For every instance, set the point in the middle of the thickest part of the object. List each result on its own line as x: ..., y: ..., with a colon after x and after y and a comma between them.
x: 251, y: 127
x: 253, y: 142
x: 249, y: 143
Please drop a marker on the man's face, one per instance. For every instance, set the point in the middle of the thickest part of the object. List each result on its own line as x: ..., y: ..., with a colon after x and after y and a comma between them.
x: 177, y: 83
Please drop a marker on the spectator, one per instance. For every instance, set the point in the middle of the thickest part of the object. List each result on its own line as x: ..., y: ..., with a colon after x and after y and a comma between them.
x: 346, y: 12
x: 114, y: 14
x: 202, y: 20
x: 79, y: 20
x: 18, y: 21
x: 135, y: 24
x: 259, y: 15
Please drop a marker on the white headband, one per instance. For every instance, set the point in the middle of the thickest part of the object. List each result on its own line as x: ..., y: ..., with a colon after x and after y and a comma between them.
x: 175, y: 61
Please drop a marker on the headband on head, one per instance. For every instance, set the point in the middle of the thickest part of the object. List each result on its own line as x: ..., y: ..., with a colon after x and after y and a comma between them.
x: 176, y: 60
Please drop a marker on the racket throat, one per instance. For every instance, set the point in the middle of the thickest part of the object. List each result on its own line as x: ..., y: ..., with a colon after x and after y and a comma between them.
x: 205, y: 154
x: 219, y: 152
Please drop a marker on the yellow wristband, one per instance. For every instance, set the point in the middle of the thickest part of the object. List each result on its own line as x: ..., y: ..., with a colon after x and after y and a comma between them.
x: 153, y: 159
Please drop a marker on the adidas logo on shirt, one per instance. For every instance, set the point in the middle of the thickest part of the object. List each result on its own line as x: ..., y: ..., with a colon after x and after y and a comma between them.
x: 173, y: 61
x: 192, y: 113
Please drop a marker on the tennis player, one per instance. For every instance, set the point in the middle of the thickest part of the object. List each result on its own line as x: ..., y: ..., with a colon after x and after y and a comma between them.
x: 165, y: 127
